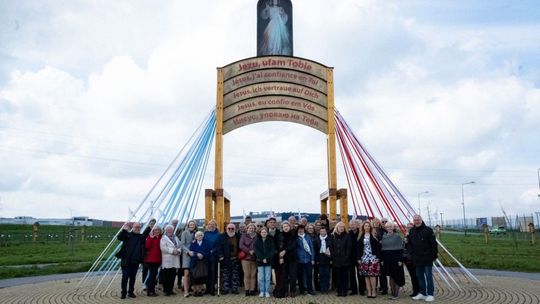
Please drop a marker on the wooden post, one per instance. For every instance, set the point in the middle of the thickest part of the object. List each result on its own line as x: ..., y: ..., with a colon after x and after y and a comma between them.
x: 83, y: 233
x: 218, y: 177
x: 485, y: 229
x: 220, y: 209
x: 226, y: 212
x: 324, y: 206
x: 533, y: 234
x: 333, y: 204
x: 343, y: 208
x: 331, y: 142
x: 208, y: 205
x: 35, y: 228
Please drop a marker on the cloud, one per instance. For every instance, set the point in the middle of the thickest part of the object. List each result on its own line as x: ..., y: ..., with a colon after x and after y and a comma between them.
x: 96, y: 100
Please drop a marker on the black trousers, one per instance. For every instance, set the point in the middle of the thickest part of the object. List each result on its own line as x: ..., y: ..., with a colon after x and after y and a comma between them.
x: 353, y: 279
x: 129, y: 274
x: 414, y: 279
x: 287, y: 278
x: 144, y: 272
x: 151, y: 280
x: 169, y: 274
x: 342, y: 275
x: 383, y: 281
x: 316, y: 280
x: 211, y: 279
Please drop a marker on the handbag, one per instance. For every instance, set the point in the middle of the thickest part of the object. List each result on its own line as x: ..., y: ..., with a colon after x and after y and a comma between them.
x: 200, y: 270
x: 241, y: 255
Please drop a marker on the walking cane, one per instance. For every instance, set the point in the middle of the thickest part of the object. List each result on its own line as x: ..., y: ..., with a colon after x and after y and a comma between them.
x: 218, y: 278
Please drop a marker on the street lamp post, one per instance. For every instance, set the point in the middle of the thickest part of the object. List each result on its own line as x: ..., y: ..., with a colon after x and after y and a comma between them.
x: 538, y: 182
x: 463, y: 204
x: 420, y: 210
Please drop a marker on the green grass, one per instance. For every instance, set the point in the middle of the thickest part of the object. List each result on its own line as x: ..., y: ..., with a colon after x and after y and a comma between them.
x: 20, y: 257
x: 17, y: 272
x: 62, y: 247
x: 500, y: 253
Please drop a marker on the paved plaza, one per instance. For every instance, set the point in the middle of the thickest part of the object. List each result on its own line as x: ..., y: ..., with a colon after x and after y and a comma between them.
x: 493, y: 290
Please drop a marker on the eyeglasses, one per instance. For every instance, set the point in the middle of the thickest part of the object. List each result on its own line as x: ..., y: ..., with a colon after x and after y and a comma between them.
x: 230, y: 228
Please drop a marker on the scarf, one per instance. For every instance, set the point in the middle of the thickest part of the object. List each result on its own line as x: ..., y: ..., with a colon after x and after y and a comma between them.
x: 323, y: 243
x: 304, y: 242
x: 173, y: 239
x: 272, y: 232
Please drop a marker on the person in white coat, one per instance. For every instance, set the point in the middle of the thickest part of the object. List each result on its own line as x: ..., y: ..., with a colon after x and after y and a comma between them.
x: 170, y: 261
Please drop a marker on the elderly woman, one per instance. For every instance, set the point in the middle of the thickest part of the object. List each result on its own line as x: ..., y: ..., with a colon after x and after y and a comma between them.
x: 247, y: 243
x: 170, y: 261
x: 199, y: 252
x: 185, y: 242
x: 368, y: 256
x: 340, y: 250
x: 392, y: 258
x: 287, y: 262
x: 152, y: 259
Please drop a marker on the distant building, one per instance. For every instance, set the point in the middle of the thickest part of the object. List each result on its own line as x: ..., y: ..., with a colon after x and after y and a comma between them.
x: 28, y: 220
x: 498, y: 221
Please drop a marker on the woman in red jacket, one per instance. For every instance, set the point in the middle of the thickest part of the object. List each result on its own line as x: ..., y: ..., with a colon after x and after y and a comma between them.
x: 152, y: 259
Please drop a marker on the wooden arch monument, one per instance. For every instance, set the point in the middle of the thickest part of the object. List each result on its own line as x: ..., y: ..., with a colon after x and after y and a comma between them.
x: 274, y: 86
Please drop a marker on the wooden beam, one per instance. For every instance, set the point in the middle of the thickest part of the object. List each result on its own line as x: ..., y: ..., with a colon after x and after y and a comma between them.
x: 218, y: 176
x: 331, y: 146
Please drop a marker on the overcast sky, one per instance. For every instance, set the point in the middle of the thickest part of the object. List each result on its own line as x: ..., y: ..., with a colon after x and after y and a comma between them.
x: 96, y: 97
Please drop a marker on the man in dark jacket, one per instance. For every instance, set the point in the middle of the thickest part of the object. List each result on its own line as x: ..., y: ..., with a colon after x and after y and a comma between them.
x: 357, y: 283
x: 227, y: 248
x: 423, y: 250
x: 409, y: 263
x: 132, y: 254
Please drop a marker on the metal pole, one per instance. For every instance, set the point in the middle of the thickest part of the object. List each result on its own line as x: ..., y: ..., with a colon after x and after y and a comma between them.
x: 419, y: 209
x: 463, y: 204
x: 538, y: 182
x: 442, y: 225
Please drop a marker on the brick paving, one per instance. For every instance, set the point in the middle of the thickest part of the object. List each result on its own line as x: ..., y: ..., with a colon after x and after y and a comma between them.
x: 493, y: 290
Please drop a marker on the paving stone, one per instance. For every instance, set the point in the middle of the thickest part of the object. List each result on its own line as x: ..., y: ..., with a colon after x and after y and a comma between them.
x: 492, y: 290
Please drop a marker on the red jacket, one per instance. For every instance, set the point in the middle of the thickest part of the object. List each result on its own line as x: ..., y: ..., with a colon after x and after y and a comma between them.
x: 153, y: 253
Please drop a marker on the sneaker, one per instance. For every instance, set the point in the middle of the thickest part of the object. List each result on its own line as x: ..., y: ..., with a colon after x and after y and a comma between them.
x: 419, y: 297
x: 430, y: 299
x: 267, y: 295
x: 261, y: 295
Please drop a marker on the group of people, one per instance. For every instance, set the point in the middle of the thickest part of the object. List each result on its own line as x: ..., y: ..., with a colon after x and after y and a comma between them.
x: 367, y: 257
